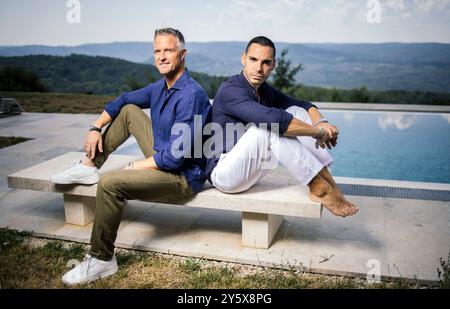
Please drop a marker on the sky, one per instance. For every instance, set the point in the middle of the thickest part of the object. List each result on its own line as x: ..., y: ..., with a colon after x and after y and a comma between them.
x: 57, y: 22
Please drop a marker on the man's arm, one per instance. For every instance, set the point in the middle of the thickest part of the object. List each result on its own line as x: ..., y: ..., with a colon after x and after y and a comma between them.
x: 94, y: 138
x: 145, y: 164
x: 171, y: 157
x: 285, y: 101
x: 140, y: 97
x: 235, y: 102
x: 314, y: 114
x: 300, y: 128
x: 332, y: 130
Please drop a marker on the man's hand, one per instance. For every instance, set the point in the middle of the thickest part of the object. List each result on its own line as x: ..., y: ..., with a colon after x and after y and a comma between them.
x: 146, y: 164
x: 93, y: 139
x: 330, y: 138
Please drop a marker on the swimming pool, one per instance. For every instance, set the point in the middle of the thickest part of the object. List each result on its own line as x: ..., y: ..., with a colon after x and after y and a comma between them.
x: 384, y: 145
x: 392, y: 145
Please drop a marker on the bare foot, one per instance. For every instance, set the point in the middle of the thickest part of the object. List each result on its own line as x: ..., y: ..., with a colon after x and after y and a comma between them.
x: 321, y: 191
x: 325, y: 173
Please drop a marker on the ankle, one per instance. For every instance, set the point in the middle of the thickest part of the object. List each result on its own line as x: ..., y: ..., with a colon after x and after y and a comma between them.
x: 319, y: 186
x: 326, y: 175
x: 88, y: 162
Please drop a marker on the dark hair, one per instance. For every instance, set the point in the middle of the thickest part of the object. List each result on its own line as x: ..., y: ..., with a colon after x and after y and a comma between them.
x: 263, y: 41
x: 171, y: 31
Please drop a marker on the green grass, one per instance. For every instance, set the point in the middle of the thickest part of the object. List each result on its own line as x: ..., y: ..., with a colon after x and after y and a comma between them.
x: 27, y: 262
x: 444, y: 273
x: 69, y: 103
x: 6, y: 141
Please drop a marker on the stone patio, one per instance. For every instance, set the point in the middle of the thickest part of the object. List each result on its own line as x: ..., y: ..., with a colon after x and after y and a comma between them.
x: 404, y: 237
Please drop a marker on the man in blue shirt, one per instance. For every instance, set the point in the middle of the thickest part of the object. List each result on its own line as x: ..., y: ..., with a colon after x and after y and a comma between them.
x: 268, y: 127
x: 168, y: 172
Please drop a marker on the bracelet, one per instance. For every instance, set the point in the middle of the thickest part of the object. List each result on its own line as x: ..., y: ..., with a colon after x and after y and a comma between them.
x: 321, y: 134
x: 320, y: 121
x: 94, y: 128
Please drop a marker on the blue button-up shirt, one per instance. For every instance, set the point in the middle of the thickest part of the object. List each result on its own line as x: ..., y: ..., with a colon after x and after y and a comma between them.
x: 236, y: 101
x: 179, y: 104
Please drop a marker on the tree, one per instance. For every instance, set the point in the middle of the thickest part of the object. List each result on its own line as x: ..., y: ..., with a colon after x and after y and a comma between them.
x: 132, y: 83
x: 284, y: 77
x: 18, y: 79
x: 360, y: 95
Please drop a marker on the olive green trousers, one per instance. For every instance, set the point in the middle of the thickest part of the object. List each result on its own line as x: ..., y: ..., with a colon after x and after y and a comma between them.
x: 115, y: 187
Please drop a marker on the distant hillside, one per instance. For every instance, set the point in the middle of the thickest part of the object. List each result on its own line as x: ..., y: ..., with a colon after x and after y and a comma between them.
x: 96, y: 75
x: 411, y: 66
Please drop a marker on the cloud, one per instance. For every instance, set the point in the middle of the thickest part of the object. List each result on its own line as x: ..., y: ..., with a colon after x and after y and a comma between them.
x: 400, y: 121
x: 410, y: 8
x: 446, y: 117
x: 428, y: 5
x: 245, y: 10
x: 349, y: 117
x: 288, y: 4
x: 397, y: 5
x: 339, y: 12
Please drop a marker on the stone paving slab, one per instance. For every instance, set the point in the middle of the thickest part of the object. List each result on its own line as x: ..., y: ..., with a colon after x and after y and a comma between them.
x: 405, y: 238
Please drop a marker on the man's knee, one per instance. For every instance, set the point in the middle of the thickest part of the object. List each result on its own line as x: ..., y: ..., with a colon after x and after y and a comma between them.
x: 129, y: 109
x: 108, y: 182
x: 227, y: 183
x: 299, y: 113
x: 257, y: 134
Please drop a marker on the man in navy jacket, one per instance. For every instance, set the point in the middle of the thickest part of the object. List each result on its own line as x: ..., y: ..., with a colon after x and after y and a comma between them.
x: 262, y: 126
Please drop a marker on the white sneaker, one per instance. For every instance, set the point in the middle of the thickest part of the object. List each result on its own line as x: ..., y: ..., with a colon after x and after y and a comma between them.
x: 90, y: 269
x: 77, y: 173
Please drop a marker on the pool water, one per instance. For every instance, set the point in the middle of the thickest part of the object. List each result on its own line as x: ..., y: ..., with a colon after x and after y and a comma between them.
x: 384, y: 145
x: 392, y: 145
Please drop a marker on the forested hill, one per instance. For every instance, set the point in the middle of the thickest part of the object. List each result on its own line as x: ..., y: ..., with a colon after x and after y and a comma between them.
x: 96, y: 75
x: 378, y: 66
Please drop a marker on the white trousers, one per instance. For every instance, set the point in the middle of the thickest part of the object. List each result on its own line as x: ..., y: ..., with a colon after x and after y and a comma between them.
x: 258, y: 151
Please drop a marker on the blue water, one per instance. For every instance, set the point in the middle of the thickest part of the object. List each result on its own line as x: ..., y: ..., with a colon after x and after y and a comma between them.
x: 386, y: 145
x: 392, y: 145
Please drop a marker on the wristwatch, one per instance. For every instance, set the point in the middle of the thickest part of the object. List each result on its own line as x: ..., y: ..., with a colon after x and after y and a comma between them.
x: 94, y: 128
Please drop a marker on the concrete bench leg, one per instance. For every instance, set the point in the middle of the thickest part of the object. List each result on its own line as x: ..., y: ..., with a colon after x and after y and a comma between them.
x: 80, y: 210
x: 258, y: 230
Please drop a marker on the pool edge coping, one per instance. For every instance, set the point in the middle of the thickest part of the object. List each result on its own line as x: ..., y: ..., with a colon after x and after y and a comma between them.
x: 393, y: 183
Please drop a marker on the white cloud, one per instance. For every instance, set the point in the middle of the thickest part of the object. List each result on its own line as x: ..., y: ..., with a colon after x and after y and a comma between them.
x: 446, y: 117
x: 339, y: 12
x: 396, y: 120
x: 245, y: 11
x: 410, y: 8
x: 397, y: 5
x: 428, y: 5
x: 288, y: 4
x: 349, y: 117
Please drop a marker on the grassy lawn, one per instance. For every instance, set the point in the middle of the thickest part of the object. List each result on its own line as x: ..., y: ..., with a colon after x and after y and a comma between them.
x: 27, y: 262
x: 6, y: 141
x: 76, y: 103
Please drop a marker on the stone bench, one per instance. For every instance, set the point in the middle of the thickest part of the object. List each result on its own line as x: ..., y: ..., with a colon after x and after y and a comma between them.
x: 262, y: 207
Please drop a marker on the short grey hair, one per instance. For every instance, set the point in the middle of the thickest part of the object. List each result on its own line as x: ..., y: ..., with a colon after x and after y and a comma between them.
x: 171, y: 31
